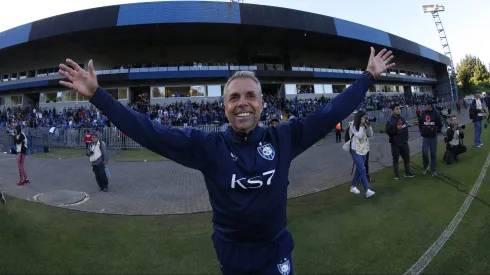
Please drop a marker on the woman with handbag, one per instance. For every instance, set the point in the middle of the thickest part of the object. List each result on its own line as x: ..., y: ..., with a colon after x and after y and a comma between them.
x: 360, y: 130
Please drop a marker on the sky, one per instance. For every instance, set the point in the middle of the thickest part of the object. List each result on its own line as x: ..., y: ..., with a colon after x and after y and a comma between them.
x: 464, y: 21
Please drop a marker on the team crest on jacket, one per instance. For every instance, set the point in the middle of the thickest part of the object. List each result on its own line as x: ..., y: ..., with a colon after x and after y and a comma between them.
x: 266, y: 151
x: 284, y: 267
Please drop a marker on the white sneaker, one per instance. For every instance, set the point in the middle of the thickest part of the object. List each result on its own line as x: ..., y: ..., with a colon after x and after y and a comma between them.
x: 369, y: 193
x: 354, y: 190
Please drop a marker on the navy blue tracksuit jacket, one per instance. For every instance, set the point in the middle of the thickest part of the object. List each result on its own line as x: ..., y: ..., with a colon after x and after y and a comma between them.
x: 246, y: 175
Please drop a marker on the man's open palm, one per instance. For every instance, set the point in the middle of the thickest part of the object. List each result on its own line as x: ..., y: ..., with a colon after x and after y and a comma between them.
x: 84, y: 83
x: 380, y: 63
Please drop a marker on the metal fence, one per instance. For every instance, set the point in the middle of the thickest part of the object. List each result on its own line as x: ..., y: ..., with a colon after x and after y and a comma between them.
x: 35, y: 144
x: 41, y: 138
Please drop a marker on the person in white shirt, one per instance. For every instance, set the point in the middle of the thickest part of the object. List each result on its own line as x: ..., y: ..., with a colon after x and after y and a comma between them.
x: 359, y: 131
x: 98, y: 157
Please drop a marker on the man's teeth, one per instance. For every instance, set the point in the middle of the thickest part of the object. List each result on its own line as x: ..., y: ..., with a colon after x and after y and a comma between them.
x: 244, y: 114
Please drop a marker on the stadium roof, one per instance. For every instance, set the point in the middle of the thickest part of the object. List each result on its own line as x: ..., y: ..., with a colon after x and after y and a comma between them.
x: 208, y: 12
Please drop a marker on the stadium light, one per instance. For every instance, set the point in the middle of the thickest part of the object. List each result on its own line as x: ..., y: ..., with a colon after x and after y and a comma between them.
x: 434, y: 10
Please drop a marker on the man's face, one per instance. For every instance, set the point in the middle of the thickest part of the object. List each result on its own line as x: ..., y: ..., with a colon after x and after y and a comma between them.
x: 454, y: 121
x: 95, y: 139
x: 428, y: 107
x: 397, y: 111
x: 243, y: 104
x: 274, y: 123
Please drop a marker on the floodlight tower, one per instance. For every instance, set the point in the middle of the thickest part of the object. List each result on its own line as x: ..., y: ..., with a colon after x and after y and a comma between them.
x: 434, y: 10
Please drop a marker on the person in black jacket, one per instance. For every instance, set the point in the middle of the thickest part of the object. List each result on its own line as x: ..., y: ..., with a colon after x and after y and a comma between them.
x: 338, y: 132
x: 477, y: 113
x: 430, y: 123
x: 397, y: 130
x: 20, y: 140
x: 454, y: 142
x: 2, y: 198
x: 487, y: 107
x: 245, y: 168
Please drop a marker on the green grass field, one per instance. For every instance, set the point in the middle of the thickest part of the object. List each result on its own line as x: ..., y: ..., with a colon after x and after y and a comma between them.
x: 137, y: 155
x: 62, y: 152
x: 334, y: 231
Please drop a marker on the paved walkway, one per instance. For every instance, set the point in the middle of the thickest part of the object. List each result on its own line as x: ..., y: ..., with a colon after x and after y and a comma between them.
x: 155, y: 188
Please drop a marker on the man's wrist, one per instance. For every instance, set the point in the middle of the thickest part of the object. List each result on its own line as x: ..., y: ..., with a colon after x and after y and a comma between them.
x: 369, y: 74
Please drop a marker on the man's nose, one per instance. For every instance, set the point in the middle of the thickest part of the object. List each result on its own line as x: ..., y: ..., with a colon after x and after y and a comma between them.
x: 242, y: 102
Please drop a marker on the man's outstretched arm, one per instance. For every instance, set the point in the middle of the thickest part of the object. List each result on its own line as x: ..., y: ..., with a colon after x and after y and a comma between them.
x: 309, y: 130
x: 183, y: 147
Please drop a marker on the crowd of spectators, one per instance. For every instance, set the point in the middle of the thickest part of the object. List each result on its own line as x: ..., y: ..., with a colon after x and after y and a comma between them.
x: 196, y: 63
x: 182, y: 113
x: 379, y: 101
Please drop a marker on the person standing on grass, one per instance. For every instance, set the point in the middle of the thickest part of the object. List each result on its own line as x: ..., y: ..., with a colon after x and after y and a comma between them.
x: 2, y: 198
x: 397, y: 130
x: 477, y: 113
x: 360, y: 131
x: 20, y: 141
x: 430, y: 123
x: 97, y: 154
x: 246, y: 167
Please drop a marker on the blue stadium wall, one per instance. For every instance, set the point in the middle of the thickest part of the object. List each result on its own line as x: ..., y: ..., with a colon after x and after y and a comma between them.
x: 208, y: 12
x: 202, y: 12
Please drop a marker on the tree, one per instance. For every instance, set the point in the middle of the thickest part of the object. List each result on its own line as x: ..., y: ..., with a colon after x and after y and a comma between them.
x: 472, y: 74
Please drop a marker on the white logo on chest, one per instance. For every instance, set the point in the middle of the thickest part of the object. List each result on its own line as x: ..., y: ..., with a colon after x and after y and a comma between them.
x: 266, y: 151
x: 254, y: 182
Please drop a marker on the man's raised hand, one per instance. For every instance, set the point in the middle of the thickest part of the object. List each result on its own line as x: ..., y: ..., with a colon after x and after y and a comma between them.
x: 380, y: 63
x: 84, y: 83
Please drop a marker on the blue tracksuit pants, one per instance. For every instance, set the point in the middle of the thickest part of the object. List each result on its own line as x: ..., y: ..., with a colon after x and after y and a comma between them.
x: 268, y: 259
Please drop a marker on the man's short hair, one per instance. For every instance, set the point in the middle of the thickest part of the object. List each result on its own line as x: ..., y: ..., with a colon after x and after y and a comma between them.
x: 243, y: 74
x: 394, y: 106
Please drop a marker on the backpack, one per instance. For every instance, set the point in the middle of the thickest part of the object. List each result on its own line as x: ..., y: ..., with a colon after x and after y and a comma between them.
x: 347, y: 139
x: 346, y: 135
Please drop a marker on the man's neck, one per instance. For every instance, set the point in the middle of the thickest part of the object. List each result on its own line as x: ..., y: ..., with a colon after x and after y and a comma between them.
x: 244, y: 131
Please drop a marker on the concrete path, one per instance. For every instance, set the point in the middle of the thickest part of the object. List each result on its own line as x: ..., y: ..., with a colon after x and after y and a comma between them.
x: 156, y: 188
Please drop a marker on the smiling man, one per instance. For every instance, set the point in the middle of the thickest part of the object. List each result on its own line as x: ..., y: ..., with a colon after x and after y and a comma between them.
x: 245, y: 168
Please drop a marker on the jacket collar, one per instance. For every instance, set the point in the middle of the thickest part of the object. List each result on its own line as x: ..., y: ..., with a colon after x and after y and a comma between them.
x: 252, y: 137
